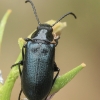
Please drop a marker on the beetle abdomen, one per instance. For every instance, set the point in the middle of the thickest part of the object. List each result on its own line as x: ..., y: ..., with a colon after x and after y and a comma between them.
x: 37, y: 74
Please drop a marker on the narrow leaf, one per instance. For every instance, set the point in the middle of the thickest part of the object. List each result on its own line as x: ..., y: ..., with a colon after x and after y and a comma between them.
x: 61, y: 81
x: 2, y: 25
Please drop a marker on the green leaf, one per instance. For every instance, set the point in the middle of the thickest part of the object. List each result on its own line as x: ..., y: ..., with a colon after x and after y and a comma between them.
x: 2, y: 25
x: 61, y: 81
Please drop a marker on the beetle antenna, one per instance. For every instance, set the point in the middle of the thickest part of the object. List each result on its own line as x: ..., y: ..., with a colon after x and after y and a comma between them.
x: 35, y: 13
x: 70, y: 13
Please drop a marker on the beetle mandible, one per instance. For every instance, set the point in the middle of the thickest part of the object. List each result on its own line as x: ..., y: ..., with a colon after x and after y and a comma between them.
x: 38, y: 60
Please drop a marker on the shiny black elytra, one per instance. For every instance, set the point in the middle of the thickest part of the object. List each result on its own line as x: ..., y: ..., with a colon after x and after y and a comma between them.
x: 37, y: 75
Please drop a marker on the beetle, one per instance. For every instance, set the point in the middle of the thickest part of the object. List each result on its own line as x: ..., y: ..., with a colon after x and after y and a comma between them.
x: 38, y: 60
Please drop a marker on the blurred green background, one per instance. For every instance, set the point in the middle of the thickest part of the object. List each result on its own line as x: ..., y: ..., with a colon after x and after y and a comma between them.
x: 79, y: 42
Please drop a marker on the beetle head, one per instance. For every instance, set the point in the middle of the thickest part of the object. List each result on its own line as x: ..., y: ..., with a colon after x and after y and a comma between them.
x: 43, y: 32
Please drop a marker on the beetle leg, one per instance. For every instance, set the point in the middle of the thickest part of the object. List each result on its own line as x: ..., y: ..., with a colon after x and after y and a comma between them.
x: 23, y: 51
x: 20, y: 71
x: 20, y: 94
x: 56, y: 69
x: 21, y: 62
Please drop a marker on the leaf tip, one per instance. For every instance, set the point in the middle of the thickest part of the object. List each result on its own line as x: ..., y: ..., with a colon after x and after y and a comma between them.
x: 9, y: 10
x: 83, y: 64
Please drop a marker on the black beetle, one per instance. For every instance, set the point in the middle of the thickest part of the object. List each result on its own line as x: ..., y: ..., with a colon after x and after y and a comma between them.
x: 37, y: 76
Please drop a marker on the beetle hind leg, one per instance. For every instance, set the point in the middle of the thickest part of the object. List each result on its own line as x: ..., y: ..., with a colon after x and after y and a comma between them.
x: 56, y: 69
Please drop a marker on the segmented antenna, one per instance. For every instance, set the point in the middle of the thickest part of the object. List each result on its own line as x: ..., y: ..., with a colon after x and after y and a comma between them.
x: 70, y: 13
x: 35, y: 13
